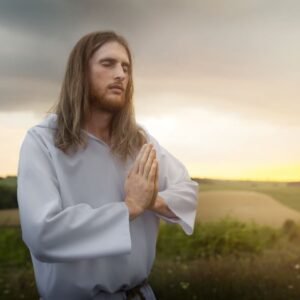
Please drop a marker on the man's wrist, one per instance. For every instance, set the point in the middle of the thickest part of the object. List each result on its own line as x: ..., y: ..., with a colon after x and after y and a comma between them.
x: 157, y: 206
x: 134, y: 209
x: 160, y: 206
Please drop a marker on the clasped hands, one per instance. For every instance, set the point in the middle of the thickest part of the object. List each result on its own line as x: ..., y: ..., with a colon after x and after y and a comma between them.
x: 141, y: 185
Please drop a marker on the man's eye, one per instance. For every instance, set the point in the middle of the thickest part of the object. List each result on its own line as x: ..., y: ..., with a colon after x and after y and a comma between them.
x: 106, y: 63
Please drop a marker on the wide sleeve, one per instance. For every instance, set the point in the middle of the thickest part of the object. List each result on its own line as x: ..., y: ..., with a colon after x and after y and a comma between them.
x: 57, y: 234
x: 176, y: 188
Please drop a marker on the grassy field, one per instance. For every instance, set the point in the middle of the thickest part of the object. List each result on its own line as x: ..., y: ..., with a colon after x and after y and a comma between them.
x: 273, y: 275
x: 285, y: 193
x: 229, y: 260
x: 264, y: 203
x: 223, y: 259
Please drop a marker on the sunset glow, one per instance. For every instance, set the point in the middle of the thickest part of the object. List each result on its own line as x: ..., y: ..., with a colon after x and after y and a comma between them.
x: 217, y: 85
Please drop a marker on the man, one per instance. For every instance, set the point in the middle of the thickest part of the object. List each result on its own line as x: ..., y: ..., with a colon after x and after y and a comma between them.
x: 93, y: 184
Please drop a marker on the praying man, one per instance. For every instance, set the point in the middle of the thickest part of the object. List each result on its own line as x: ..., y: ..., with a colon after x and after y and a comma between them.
x: 93, y: 184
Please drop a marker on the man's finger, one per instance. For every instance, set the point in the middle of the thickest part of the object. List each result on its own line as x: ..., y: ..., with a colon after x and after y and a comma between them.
x: 155, y: 191
x: 152, y: 172
x: 157, y: 174
x: 151, y: 157
x: 157, y: 177
x: 135, y: 167
x: 143, y: 159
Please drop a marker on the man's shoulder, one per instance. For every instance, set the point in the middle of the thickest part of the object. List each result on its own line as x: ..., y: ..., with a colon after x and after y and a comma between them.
x: 43, y: 130
x: 48, y: 123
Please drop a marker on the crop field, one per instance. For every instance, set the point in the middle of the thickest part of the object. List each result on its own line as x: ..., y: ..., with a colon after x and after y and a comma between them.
x: 245, y: 246
x: 246, y: 206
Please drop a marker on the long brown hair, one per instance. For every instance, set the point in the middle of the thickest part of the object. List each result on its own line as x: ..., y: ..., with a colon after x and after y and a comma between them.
x: 73, y: 104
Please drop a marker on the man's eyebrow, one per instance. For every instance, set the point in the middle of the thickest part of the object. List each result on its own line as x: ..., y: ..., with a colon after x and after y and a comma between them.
x: 110, y: 59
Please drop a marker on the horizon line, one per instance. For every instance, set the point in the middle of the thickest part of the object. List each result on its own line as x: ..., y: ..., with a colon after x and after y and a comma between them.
x: 211, y: 178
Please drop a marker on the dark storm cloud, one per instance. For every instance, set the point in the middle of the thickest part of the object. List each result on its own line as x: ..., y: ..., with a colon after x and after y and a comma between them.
x: 38, y: 36
x: 239, y: 54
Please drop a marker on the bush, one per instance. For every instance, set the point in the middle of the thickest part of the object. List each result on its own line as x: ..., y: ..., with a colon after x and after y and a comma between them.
x: 224, y: 237
x: 8, y: 197
x: 291, y: 230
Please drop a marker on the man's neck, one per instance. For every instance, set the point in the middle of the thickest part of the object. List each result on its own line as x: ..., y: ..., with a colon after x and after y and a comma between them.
x: 98, y: 123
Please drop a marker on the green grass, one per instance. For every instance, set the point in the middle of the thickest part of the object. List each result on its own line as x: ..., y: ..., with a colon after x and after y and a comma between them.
x: 17, y: 283
x: 16, y: 273
x: 221, y: 260
x: 224, y: 237
x: 273, y: 275
x: 230, y: 260
x: 13, y: 253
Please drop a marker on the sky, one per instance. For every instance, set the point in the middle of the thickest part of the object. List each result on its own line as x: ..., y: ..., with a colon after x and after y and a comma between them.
x: 216, y: 82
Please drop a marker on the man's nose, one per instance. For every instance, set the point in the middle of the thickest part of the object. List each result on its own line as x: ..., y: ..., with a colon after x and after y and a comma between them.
x: 119, y: 72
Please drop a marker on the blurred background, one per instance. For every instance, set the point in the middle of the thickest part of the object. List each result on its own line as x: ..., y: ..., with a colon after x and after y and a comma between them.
x: 217, y: 84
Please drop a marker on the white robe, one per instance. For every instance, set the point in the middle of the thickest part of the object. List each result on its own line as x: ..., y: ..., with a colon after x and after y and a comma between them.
x: 75, y: 222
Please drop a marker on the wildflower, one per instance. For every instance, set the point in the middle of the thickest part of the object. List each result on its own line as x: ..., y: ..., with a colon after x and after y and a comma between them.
x: 184, y: 285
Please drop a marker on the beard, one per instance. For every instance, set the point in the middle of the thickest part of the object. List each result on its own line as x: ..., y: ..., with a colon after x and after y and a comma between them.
x: 108, y: 103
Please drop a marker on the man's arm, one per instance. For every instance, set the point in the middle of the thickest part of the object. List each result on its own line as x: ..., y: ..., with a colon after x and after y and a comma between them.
x: 57, y: 234
x: 161, y: 207
x: 177, y: 193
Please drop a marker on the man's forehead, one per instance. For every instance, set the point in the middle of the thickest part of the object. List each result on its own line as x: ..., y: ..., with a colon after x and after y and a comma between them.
x: 112, y: 50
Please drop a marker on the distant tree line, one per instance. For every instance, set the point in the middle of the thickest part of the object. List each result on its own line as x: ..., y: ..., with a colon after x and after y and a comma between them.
x: 8, y: 197
x: 8, y: 192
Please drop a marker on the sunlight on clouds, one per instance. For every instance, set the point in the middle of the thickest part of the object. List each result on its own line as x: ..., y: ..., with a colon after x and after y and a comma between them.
x: 224, y: 100
x: 220, y: 145
x: 162, y: 127
x: 209, y: 143
x: 19, y: 120
x: 13, y: 129
x: 9, y: 150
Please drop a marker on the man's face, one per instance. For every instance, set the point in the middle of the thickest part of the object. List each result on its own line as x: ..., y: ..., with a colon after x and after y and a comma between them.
x: 109, y: 74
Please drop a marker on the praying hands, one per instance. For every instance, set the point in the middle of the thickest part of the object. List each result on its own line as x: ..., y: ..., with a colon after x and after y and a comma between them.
x: 141, y: 185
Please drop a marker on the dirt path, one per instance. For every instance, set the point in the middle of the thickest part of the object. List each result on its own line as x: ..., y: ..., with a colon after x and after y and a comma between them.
x: 9, y: 217
x: 244, y: 206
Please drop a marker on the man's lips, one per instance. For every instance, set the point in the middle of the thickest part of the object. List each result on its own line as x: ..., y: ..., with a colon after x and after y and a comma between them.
x: 116, y: 91
x: 116, y: 87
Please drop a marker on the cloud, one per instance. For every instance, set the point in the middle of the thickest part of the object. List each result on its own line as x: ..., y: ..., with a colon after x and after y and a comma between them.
x: 21, y: 94
x: 236, y: 56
